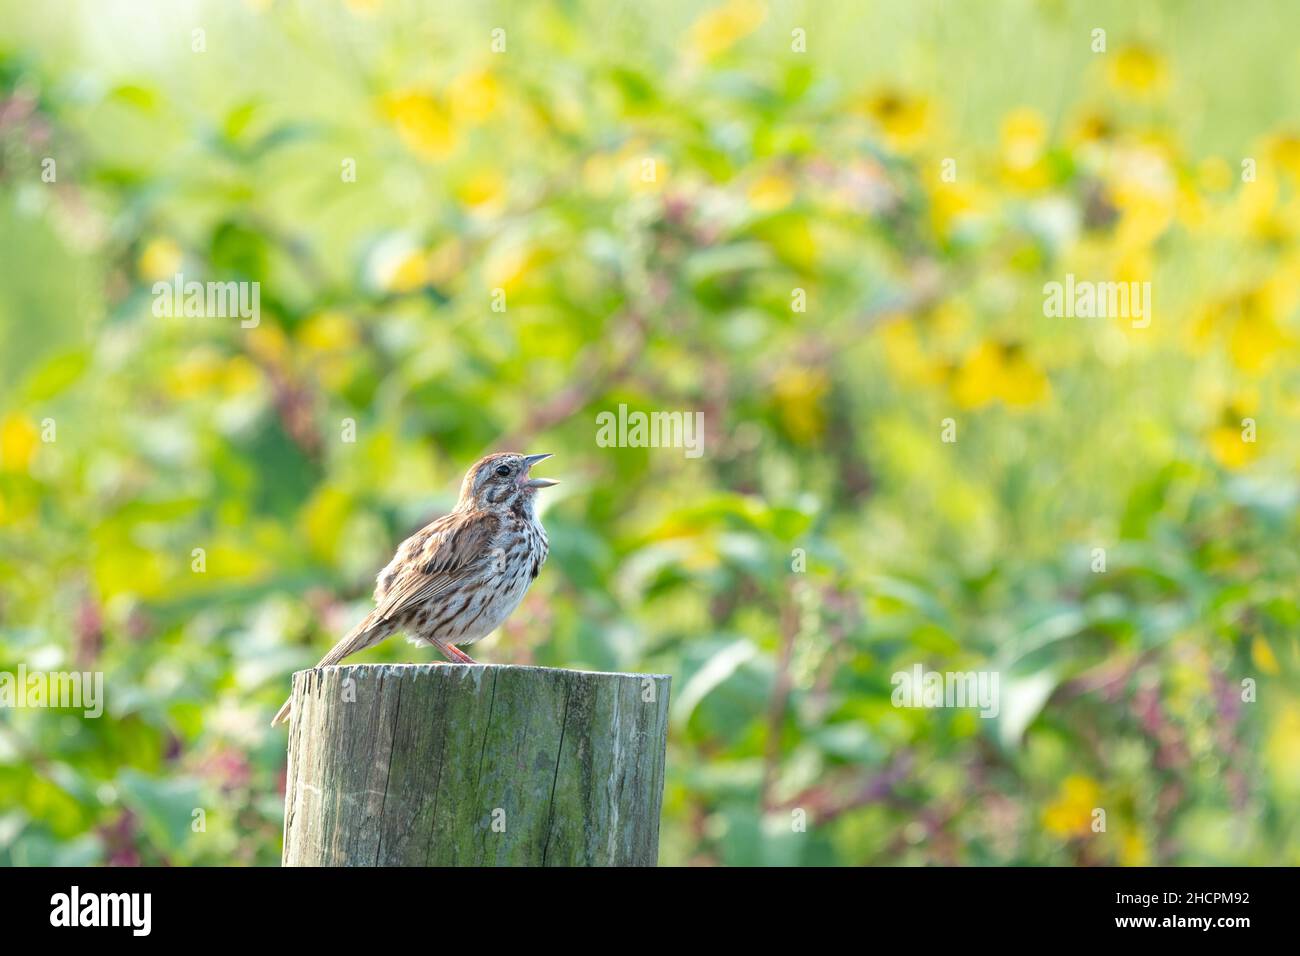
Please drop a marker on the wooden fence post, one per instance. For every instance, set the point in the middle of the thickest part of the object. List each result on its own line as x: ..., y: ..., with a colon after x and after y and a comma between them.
x: 479, y: 765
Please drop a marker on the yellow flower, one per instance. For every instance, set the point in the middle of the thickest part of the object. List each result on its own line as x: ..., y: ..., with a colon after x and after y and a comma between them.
x: 1138, y: 70
x: 1263, y: 657
x: 240, y: 376
x: 422, y: 123
x: 799, y: 394
x: 482, y: 191
x: 794, y: 238
x: 771, y: 192
x: 473, y: 96
x: 197, y: 372
x: 409, y: 273
x: 269, y: 343
x: 953, y: 204
x: 510, y: 264
x: 19, y: 439
x: 1283, y: 748
x: 1254, y: 209
x: 328, y: 331
x: 1091, y: 128
x: 320, y: 519
x: 122, y: 567
x: 1070, y: 814
x: 978, y: 379
x: 1133, y: 265
x: 647, y: 174
x: 397, y: 265
x: 1133, y: 849
x: 994, y: 371
x: 1228, y: 437
x: 1248, y: 319
x: 905, y: 353
x: 722, y: 28
x: 329, y: 340
x: 160, y: 259
x: 1255, y: 341
x: 1024, y: 384
x: 1024, y: 147
x: 1285, y: 152
x: 1228, y: 449
x: 1144, y: 191
x: 902, y: 117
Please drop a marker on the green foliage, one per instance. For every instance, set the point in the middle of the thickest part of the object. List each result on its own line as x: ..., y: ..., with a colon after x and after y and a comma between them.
x: 652, y: 188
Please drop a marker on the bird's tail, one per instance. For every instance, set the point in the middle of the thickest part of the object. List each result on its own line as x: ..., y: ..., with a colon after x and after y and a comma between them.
x: 369, y: 632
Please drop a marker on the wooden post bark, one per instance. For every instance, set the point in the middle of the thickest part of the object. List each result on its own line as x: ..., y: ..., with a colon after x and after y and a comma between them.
x: 482, y: 764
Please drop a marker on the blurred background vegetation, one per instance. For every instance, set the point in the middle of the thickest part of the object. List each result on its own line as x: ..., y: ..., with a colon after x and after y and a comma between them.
x: 650, y: 184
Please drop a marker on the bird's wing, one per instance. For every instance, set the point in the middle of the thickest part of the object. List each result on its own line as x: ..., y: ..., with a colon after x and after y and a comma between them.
x: 437, y: 558
x: 429, y: 562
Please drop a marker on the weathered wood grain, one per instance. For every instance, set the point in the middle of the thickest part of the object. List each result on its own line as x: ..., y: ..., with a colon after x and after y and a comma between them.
x: 484, y: 764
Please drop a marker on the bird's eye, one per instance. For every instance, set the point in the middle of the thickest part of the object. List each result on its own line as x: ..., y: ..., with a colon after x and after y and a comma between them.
x: 503, y: 471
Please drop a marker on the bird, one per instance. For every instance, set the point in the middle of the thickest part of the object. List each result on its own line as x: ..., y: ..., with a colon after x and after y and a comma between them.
x: 459, y: 577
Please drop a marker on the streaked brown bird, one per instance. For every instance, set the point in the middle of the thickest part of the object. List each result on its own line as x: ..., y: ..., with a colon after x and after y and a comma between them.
x: 457, y: 579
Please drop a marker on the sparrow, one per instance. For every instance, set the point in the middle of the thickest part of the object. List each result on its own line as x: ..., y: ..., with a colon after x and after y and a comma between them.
x: 458, y: 578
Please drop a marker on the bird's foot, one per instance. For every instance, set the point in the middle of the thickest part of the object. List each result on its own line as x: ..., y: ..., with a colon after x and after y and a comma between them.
x: 455, y: 654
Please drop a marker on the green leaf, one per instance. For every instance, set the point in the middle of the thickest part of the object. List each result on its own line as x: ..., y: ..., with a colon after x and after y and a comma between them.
x: 165, y: 807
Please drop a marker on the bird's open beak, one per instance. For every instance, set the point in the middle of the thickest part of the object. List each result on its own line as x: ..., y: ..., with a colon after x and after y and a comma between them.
x: 529, y: 461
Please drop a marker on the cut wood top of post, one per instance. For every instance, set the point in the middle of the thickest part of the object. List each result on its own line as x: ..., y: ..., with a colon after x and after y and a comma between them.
x: 475, y: 764
x: 446, y: 667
